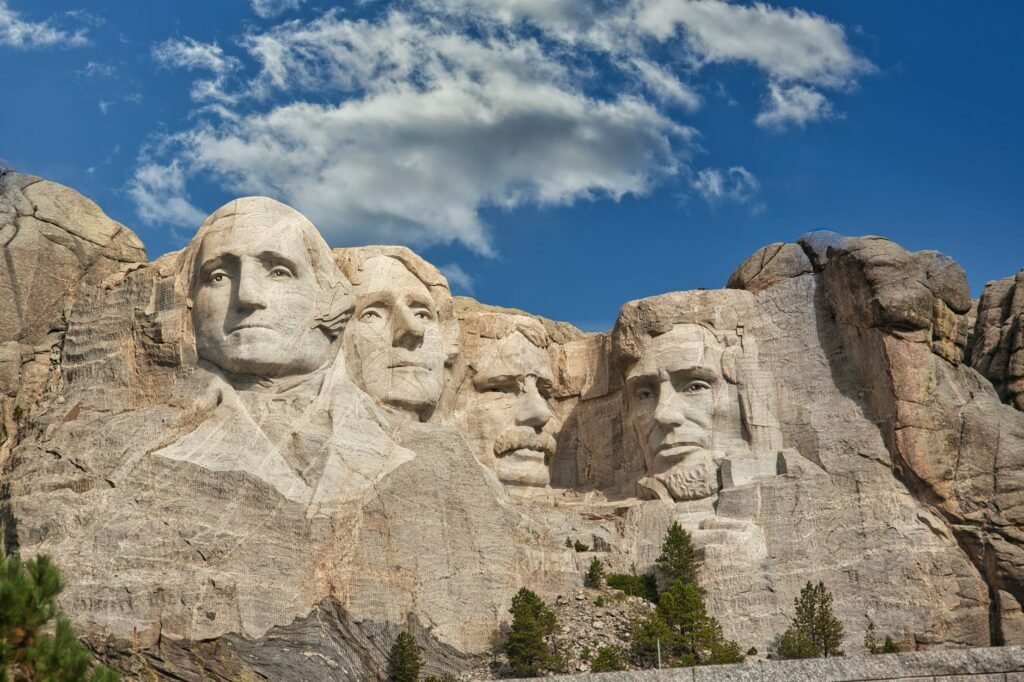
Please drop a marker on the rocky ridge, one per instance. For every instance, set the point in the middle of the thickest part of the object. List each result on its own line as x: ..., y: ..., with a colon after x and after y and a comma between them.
x: 866, y: 431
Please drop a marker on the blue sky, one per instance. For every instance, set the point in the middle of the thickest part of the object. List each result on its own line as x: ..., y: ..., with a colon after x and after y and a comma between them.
x: 560, y: 156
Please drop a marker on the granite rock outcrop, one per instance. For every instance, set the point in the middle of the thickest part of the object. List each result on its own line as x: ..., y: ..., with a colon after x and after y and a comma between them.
x: 260, y: 456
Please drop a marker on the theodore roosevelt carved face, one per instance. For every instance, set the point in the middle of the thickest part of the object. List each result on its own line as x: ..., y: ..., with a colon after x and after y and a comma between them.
x: 261, y: 288
x: 394, y: 342
x: 505, y: 408
x: 671, y: 395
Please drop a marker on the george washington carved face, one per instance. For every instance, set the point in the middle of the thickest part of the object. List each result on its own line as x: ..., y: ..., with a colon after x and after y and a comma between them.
x: 260, y: 280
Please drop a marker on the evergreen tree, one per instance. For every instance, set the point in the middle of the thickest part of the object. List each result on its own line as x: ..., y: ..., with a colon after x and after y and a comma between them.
x: 595, y: 574
x: 815, y: 631
x: 532, y: 621
x: 404, y: 661
x: 645, y: 634
x: 678, y: 560
x: 28, y: 604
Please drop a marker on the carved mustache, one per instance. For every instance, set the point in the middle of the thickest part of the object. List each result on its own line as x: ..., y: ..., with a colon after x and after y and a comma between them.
x: 524, y: 438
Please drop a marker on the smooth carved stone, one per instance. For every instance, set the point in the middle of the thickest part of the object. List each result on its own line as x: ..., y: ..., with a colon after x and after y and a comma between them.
x: 403, y: 333
x: 503, y: 404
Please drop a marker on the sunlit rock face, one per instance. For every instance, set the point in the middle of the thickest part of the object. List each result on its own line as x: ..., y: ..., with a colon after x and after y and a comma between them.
x: 259, y: 456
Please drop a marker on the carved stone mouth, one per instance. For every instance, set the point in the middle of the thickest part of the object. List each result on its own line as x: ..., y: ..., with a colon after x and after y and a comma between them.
x: 248, y: 325
x: 415, y: 364
x: 525, y: 453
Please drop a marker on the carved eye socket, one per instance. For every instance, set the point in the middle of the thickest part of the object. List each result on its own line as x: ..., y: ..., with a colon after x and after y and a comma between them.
x: 370, y: 315
x: 280, y: 272
x: 217, y: 277
x: 644, y: 394
x: 423, y: 315
x: 696, y: 387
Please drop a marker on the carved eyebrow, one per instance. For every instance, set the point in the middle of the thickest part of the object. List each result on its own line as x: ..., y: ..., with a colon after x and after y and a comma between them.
x: 699, y: 373
x: 496, y: 380
x: 214, y: 262
x: 278, y: 259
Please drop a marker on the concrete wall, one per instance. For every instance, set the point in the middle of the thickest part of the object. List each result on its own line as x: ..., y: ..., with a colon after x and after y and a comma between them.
x: 1002, y: 664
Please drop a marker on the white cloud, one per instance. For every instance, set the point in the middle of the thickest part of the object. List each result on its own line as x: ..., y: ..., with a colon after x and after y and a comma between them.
x: 732, y: 184
x: 105, y: 106
x: 192, y: 54
x: 160, y: 197
x: 666, y: 86
x: 793, y: 105
x: 97, y: 70
x: 788, y: 44
x: 19, y: 33
x: 460, y: 280
x: 271, y: 8
x: 404, y: 126
x: 439, y: 126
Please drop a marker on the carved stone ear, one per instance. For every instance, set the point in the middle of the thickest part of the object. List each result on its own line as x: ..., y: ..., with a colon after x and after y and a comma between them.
x: 334, y: 308
x: 730, y: 356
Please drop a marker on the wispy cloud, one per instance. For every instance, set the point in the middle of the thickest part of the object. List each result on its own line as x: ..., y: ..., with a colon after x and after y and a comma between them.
x: 21, y: 33
x: 793, y: 105
x: 271, y: 8
x: 97, y: 70
x: 732, y: 184
x: 460, y: 280
x: 403, y: 126
x: 160, y: 196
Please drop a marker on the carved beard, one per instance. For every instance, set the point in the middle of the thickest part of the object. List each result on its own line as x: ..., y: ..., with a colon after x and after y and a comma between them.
x: 691, y: 481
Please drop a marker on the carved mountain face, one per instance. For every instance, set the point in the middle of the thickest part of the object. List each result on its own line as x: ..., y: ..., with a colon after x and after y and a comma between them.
x: 394, y: 343
x: 255, y: 298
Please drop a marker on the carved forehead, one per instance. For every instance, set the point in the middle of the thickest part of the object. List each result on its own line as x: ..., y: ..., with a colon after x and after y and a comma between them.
x: 385, y: 274
x: 512, y: 355
x: 682, y: 348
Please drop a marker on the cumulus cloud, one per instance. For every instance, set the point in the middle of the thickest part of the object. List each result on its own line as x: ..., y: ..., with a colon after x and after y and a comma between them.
x: 405, y: 125
x: 271, y: 8
x: 793, y: 105
x: 732, y: 184
x: 20, y: 33
x: 160, y: 197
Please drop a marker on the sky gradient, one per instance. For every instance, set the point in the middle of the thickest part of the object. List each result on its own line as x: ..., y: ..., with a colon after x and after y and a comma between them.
x: 559, y: 156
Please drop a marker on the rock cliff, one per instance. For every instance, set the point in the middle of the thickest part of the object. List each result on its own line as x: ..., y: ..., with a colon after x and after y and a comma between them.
x: 258, y: 456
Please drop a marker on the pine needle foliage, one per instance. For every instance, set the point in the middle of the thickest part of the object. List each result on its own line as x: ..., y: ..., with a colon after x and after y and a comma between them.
x: 527, y: 649
x: 404, y: 660
x: 28, y: 608
x: 595, y: 574
x: 815, y: 631
x: 678, y: 559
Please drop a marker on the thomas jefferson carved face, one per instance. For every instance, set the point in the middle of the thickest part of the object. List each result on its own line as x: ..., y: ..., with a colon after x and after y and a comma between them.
x: 671, y: 394
x: 506, y: 410
x: 255, y: 293
x: 394, y: 342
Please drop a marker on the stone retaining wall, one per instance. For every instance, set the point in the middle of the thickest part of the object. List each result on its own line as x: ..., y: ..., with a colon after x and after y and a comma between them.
x: 1002, y: 664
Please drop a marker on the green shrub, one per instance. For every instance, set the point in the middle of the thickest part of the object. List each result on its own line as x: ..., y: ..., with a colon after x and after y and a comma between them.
x: 609, y: 659
x: 644, y: 586
x: 595, y: 574
x: 580, y: 547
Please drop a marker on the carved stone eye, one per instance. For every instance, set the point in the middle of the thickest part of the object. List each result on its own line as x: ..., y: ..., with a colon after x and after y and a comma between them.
x: 644, y: 394
x: 368, y: 315
x: 280, y: 272
x: 697, y: 387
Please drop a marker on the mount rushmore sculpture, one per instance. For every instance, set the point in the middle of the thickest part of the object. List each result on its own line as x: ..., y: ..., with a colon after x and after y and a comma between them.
x: 261, y: 454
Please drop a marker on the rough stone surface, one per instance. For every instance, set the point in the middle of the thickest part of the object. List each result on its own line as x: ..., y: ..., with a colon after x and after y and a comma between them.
x: 260, y: 457
x: 997, y: 351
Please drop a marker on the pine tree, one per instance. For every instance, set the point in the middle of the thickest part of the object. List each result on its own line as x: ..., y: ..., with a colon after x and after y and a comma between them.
x: 815, y: 631
x: 595, y: 574
x: 28, y: 603
x: 532, y: 621
x: 404, y: 661
x: 678, y: 560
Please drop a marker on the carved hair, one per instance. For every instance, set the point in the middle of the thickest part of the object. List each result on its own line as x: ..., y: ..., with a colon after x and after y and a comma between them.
x: 497, y: 326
